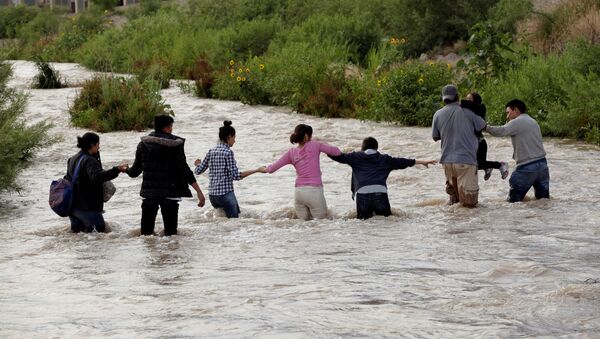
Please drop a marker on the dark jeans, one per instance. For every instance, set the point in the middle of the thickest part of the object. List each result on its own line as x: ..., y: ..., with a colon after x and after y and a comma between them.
x: 228, y: 202
x: 482, y: 162
x: 168, y: 208
x: 534, y: 174
x: 86, y: 221
x: 367, y: 204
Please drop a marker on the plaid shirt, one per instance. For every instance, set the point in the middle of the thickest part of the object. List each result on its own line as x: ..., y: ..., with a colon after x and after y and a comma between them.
x: 223, y: 169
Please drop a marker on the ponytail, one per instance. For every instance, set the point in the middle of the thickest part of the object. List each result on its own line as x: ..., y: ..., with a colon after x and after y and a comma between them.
x: 299, y: 132
x: 86, y: 141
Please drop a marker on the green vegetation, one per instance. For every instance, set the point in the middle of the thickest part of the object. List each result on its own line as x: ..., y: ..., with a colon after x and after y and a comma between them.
x: 109, y: 103
x: 338, y: 58
x: 19, y: 140
x: 47, y: 76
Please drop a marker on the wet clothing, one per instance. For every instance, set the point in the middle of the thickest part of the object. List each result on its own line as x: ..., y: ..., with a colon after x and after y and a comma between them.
x: 370, y: 170
x: 462, y: 184
x: 534, y: 174
x: 306, y: 162
x: 161, y: 157
x: 309, y: 199
x: 456, y: 127
x: 372, y: 203
x: 87, y: 191
x: 228, y: 202
x: 88, y: 204
x: 309, y: 202
x: 526, y: 138
x: 529, y: 153
x: 166, y: 176
x: 222, y: 168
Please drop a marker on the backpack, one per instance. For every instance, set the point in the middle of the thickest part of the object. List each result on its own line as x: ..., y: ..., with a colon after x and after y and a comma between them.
x: 60, y: 197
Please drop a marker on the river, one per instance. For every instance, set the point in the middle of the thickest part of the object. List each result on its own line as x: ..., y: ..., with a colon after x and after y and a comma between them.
x: 430, y: 270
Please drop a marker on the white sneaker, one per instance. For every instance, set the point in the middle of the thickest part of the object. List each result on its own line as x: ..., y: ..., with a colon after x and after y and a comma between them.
x: 488, y: 173
x: 503, y: 170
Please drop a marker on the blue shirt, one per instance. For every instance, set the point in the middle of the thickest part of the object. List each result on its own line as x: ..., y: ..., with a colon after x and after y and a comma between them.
x: 222, y: 169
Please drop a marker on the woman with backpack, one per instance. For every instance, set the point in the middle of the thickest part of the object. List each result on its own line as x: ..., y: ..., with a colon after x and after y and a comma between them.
x: 88, y: 203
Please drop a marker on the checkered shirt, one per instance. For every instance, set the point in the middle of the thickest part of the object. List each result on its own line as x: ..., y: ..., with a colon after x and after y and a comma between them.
x: 222, y: 167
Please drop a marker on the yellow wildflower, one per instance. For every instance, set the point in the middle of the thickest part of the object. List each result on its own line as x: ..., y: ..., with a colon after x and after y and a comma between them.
x: 378, y: 83
x: 243, y: 78
x: 240, y: 70
x: 231, y: 62
x: 430, y: 63
x: 449, y: 66
x: 261, y: 66
x: 247, y: 70
x: 239, y: 78
x: 232, y: 74
x: 421, y: 81
x: 402, y: 41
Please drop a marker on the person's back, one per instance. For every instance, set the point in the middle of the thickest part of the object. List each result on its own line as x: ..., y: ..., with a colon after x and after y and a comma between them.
x: 306, y: 161
x: 370, y: 170
x: 160, y: 156
x: 455, y: 127
x: 165, y: 171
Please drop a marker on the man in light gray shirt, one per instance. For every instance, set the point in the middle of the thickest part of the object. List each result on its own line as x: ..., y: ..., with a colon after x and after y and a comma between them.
x: 455, y: 127
x: 528, y: 152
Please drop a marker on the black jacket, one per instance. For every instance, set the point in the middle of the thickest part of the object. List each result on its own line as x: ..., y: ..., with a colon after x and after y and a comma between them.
x: 478, y: 109
x: 161, y: 157
x: 371, y: 169
x: 87, y: 189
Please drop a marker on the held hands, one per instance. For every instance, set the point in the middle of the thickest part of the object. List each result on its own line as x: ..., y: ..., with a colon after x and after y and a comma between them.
x: 261, y: 169
x: 197, y: 162
x: 426, y: 163
x: 123, y: 167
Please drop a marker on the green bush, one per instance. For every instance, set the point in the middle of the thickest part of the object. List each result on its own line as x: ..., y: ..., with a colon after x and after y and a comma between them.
x: 558, y: 90
x: 12, y: 18
x: 19, y: 140
x: 47, y: 77
x: 113, y: 103
x: 408, y: 94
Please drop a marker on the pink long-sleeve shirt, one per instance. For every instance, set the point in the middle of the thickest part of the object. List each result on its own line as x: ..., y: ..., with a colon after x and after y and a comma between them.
x: 306, y: 161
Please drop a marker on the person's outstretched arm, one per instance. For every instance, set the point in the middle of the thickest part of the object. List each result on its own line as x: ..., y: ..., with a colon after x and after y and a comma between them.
x: 285, y: 159
x: 328, y: 149
x: 426, y: 163
x: 201, y: 199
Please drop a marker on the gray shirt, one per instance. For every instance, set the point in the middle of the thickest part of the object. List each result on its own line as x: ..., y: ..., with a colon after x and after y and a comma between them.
x: 455, y: 127
x: 526, y: 138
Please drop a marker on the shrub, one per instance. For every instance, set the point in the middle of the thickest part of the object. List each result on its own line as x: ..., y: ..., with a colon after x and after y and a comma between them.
x: 113, y: 103
x: 14, y: 17
x: 47, y: 76
x: 19, y: 140
x: 408, y: 94
x: 155, y: 70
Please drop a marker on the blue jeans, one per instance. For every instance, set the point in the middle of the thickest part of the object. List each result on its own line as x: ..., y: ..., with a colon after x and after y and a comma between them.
x: 534, y: 174
x: 228, y: 202
x: 86, y: 221
x: 367, y: 204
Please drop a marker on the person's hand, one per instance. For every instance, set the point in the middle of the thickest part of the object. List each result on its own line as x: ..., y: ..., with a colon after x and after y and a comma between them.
x: 201, y: 199
x: 123, y: 167
x: 426, y: 163
x: 197, y: 162
x: 262, y: 169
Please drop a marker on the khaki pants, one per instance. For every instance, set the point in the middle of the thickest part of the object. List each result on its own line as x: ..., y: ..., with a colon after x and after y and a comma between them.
x: 310, y: 202
x: 462, y: 184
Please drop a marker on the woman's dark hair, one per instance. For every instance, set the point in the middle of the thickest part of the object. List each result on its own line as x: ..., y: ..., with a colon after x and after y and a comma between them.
x: 86, y: 141
x: 299, y: 132
x: 226, y: 130
x: 476, y: 98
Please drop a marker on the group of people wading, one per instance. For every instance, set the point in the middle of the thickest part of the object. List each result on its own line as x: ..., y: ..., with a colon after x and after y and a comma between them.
x: 161, y: 159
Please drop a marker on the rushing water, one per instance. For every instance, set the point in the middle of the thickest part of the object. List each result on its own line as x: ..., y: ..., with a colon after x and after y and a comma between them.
x: 431, y: 270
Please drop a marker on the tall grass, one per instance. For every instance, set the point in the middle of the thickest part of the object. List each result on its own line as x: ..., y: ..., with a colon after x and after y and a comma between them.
x: 19, y: 140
